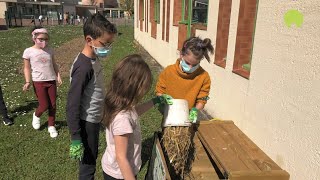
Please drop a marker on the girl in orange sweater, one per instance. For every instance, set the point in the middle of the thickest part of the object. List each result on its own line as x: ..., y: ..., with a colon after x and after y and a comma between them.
x: 186, y: 79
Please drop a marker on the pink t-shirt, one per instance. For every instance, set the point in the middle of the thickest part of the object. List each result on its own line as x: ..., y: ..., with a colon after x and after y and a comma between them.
x: 126, y: 122
x: 41, y: 63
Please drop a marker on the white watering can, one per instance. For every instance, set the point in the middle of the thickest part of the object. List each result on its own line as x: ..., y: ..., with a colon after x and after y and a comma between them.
x: 176, y: 114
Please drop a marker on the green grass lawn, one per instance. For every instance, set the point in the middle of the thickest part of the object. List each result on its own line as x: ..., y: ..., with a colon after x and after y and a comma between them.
x: 26, y: 153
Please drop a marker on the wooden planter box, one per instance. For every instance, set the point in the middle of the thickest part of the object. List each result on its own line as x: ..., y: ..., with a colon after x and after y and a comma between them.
x: 235, y: 155
x: 202, y: 168
x: 223, y: 152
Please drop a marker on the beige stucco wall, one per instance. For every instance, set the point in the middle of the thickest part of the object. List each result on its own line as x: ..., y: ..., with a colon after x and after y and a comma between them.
x: 279, y: 107
x: 3, y: 8
x: 159, y: 49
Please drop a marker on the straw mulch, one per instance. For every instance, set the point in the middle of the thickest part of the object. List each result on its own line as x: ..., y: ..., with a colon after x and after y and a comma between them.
x: 179, y: 149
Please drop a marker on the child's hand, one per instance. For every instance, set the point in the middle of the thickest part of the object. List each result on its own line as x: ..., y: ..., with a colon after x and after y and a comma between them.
x: 26, y: 86
x: 193, y: 115
x: 163, y: 99
x: 76, y: 150
x: 59, y: 80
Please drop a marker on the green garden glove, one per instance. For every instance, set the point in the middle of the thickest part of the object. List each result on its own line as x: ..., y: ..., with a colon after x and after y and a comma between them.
x: 163, y: 99
x: 76, y: 150
x: 193, y: 115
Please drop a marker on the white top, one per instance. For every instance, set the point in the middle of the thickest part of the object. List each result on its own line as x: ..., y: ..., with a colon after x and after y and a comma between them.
x: 41, y: 63
x: 126, y: 122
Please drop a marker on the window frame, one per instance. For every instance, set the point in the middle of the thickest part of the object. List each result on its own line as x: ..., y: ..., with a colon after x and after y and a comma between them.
x: 239, y: 66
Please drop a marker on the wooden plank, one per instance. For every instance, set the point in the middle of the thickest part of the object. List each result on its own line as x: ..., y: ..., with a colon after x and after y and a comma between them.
x: 202, y: 176
x: 264, y: 162
x: 212, y: 155
x: 237, y: 149
x: 221, y: 146
x: 265, y: 175
x: 202, y: 167
x: 241, y: 159
x: 215, y: 122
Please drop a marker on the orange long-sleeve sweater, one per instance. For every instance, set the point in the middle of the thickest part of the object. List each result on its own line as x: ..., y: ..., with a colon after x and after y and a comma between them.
x: 193, y: 87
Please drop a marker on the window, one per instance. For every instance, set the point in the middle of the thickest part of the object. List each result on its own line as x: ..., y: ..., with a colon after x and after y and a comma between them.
x: 200, y: 11
x: 153, y: 20
x: 168, y: 21
x: 176, y: 12
x: 163, y: 18
x: 146, y: 23
x: 141, y: 10
x: 184, y: 11
x: 141, y: 13
x: 222, y: 33
x: 157, y: 11
x: 245, y: 37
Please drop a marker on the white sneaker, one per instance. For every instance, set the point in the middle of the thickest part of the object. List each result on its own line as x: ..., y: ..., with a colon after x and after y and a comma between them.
x: 53, y: 132
x: 35, y: 122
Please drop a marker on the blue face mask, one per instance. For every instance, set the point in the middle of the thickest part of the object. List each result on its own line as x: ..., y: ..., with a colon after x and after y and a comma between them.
x: 185, y: 67
x: 101, y: 51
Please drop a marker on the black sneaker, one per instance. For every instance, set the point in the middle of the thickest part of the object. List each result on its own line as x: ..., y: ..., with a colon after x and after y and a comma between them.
x: 7, y: 121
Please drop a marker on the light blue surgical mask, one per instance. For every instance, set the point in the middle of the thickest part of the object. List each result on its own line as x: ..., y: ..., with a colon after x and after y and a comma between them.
x: 186, y: 68
x: 101, y: 51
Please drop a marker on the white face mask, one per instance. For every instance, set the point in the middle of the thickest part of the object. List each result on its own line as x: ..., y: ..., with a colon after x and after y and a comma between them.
x: 186, y: 68
x: 101, y: 51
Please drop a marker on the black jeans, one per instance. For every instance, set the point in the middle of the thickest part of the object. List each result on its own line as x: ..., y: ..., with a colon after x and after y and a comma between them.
x: 90, y: 140
x: 107, y: 177
x: 3, y: 107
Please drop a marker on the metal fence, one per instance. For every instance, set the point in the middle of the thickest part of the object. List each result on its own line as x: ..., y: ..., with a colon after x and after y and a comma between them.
x: 14, y: 20
x: 122, y: 21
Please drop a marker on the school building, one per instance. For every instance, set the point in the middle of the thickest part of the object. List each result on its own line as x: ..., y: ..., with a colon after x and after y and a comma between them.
x: 265, y: 70
x: 20, y: 12
x: 25, y: 9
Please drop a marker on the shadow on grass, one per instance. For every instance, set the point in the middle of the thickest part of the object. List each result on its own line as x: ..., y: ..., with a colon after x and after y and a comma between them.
x: 58, y: 124
x: 43, y: 126
x: 30, y: 106
x: 146, y: 151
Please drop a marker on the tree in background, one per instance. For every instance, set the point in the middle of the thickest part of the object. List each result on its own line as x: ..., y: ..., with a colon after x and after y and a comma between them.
x: 127, y: 5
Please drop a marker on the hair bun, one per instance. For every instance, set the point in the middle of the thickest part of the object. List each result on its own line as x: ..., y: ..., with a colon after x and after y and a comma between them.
x: 205, y: 43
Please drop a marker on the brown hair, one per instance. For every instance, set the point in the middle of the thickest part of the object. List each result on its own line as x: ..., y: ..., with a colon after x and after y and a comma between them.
x: 131, y: 80
x: 198, y: 47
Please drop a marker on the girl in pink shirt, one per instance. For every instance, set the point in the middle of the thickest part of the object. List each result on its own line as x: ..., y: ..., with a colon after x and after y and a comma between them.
x: 41, y: 68
x: 131, y: 80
